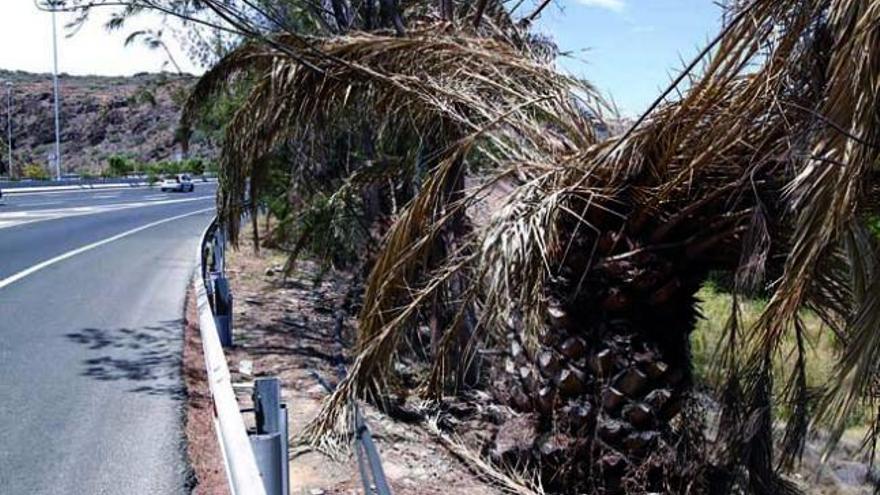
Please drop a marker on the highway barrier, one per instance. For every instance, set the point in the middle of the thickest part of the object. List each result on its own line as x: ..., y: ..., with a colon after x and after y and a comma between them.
x: 256, y: 463
x: 270, y: 439
x: 266, y: 456
x: 369, y: 461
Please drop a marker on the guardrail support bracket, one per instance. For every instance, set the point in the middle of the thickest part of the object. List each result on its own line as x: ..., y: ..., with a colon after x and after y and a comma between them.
x: 271, y: 416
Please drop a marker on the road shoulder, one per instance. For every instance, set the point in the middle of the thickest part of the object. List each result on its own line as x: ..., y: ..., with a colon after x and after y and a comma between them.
x: 203, y: 450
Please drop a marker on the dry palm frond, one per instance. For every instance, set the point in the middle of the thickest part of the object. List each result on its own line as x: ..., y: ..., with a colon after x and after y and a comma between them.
x: 435, y: 85
x: 771, y: 139
x: 418, y: 81
x: 508, y: 482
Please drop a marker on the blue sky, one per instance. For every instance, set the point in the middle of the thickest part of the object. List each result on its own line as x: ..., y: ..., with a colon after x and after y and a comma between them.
x: 630, y: 49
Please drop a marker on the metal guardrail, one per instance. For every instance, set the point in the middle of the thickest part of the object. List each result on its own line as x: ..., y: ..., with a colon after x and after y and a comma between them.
x: 78, y: 180
x: 270, y: 438
x: 266, y: 457
x: 34, y: 186
x: 368, y: 459
x: 255, y: 463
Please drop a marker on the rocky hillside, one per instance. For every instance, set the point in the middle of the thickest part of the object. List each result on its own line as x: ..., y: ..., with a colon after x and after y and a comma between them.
x: 100, y: 116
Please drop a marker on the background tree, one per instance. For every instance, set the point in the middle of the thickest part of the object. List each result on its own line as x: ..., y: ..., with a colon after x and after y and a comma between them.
x: 119, y: 166
x: 152, y: 39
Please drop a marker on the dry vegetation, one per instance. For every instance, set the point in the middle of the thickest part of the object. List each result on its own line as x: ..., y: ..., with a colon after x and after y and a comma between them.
x: 847, y: 471
x: 708, y: 337
x: 581, y: 287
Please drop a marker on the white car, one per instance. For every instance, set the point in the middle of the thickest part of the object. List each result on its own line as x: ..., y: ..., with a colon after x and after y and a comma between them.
x: 180, y: 182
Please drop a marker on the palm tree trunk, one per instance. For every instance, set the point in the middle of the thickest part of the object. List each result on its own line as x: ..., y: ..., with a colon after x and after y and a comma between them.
x: 447, y: 10
x: 611, y: 369
x: 368, y: 14
x: 341, y: 15
x: 390, y: 14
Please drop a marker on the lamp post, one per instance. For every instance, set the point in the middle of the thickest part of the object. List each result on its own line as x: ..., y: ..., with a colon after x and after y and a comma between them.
x: 9, y: 127
x: 55, y: 83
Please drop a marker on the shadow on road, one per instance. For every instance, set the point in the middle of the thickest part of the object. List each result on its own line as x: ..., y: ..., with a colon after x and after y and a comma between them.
x: 148, y: 357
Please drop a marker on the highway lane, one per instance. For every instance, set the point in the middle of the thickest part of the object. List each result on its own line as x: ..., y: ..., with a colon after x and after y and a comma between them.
x: 12, y: 202
x: 76, y: 224
x: 90, y: 394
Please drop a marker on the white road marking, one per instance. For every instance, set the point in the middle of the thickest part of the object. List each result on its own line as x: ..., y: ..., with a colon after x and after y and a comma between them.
x: 12, y: 191
x: 46, y: 203
x: 106, y: 196
x: 70, y: 254
x: 14, y: 218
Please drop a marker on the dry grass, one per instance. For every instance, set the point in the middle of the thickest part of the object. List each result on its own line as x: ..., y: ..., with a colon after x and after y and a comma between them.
x: 822, y: 352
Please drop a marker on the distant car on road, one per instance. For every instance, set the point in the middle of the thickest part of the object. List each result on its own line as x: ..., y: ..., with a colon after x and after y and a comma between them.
x: 180, y: 182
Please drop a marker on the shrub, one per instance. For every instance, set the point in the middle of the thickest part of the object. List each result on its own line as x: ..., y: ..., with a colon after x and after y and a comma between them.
x: 119, y: 166
x: 34, y: 171
x: 874, y: 225
x: 164, y: 168
x: 195, y: 166
x: 153, y: 169
x: 172, y: 168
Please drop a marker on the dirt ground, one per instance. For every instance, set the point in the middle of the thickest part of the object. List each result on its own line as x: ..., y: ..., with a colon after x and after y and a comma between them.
x: 287, y: 329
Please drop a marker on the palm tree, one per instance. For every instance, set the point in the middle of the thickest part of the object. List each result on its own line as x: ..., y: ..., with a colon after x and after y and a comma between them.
x: 763, y: 168
x: 583, y: 278
x: 505, y: 106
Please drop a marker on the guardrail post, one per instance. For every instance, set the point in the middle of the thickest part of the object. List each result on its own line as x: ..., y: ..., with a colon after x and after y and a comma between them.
x: 219, y: 246
x: 272, y: 419
x: 224, y: 327
x: 267, y: 450
x: 222, y: 301
x: 267, y: 399
x: 285, y: 453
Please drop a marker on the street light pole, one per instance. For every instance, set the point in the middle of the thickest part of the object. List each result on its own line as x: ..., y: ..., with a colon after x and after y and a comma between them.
x: 9, y: 127
x: 55, y: 83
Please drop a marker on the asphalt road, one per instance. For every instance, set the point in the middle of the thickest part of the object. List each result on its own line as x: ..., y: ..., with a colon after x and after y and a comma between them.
x: 91, y: 303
